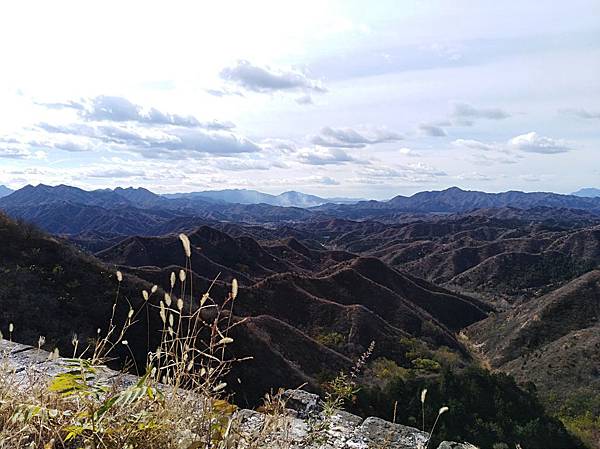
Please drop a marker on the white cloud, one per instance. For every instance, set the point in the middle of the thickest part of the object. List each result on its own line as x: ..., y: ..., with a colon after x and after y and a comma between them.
x: 474, y: 176
x: 116, y: 124
x: 325, y: 156
x: 111, y: 173
x: 304, y: 99
x: 534, y: 143
x: 477, y: 145
x: 412, y: 173
x: 428, y: 130
x: 531, y: 142
x: 582, y: 113
x: 14, y: 148
x: 352, y: 138
x: 19, y: 152
x: 325, y: 180
x: 120, y: 109
x: 408, y: 152
x: 265, y: 79
x: 468, y: 111
x: 236, y: 164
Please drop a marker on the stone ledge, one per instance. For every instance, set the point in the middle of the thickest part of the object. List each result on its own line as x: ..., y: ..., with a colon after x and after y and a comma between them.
x: 303, y: 428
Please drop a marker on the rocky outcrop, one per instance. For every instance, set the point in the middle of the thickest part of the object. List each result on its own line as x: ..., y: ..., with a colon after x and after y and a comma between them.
x: 453, y: 445
x: 304, y: 424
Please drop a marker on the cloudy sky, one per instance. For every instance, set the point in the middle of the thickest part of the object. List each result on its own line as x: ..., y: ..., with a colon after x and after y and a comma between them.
x: 336, y: 98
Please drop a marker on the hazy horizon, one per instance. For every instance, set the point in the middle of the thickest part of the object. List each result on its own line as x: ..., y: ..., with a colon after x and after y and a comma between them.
x: 335, y: 99
x: 281, y: 192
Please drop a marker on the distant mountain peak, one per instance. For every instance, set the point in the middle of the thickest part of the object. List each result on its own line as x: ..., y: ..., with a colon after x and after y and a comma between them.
x: 455, y: 189
x: 588, y: 192
x: 5, y: 191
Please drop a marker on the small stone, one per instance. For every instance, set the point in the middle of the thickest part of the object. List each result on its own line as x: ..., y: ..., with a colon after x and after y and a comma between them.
x: 455, y: 445
x: 305, y: 404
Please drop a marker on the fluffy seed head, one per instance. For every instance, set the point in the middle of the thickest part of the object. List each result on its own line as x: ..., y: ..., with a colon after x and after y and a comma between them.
x: 172, y: 279
x: 145, y: 295
x: 443, y: 410
x: 171, y: 319
x: 182, y: 275
x: 154, y: 288
x: 163, y: 314
x: 234, y: 288
x: 119, y: 276
x: 225, y: 341
x: 203, y: 299
x: 180, y: 304
x: 11, y: 328
x: 168, y: 299
x: 130, y: 314
x: 41, y: 341
x: 124, y: 342
x: 185, y: 241
x: 423, y: 395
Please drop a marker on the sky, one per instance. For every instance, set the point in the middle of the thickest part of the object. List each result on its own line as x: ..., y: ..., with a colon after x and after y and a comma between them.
x: 335, y: 98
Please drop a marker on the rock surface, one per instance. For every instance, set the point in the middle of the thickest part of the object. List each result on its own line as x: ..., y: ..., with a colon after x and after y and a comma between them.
x: 305, y: 425
x: 454, y: 445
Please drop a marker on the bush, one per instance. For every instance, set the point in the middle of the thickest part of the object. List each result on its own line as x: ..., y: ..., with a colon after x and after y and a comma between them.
x: 485, y: 408
x: 333, y: 340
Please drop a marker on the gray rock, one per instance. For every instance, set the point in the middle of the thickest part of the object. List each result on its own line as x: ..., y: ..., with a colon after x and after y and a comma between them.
x: 380, y: 433
x: 305, y: 404
x: 304, y: 427
x: 455, y: 445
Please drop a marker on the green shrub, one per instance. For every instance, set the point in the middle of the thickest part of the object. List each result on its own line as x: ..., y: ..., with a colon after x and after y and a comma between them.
x: 426, y: 364
x: 333, y: 340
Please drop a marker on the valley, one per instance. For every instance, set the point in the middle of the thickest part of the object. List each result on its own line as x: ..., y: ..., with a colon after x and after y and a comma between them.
x: 515, y: 274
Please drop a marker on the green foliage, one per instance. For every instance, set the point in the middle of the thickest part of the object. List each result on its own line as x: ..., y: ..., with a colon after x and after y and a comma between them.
x: 446, y: 358
x: 546, y: 270
x: 585, y: 426
x: 426, y: 364
x: 580, y: 412
x: 332, y: 340
x: 339, y: 391
x: 94, y: 423
x: 485, y: 408
x: 386, y: 370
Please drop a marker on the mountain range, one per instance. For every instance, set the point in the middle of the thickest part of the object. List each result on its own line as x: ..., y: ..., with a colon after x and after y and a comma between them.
x: 70, y: 210
x: 4, y: 191
x: 244, y: 196
x: 448, y: 279
x: 327, y: 293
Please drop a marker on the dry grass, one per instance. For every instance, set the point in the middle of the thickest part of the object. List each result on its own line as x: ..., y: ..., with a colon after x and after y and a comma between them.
x: 179, y: 400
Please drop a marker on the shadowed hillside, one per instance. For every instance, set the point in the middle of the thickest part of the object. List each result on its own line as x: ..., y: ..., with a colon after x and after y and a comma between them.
x: 321, y: 293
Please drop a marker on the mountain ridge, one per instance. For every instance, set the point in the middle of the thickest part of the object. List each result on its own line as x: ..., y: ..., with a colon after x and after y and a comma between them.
x: 5, y: 191
x: 588, y: 192
x: 289, y: 198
